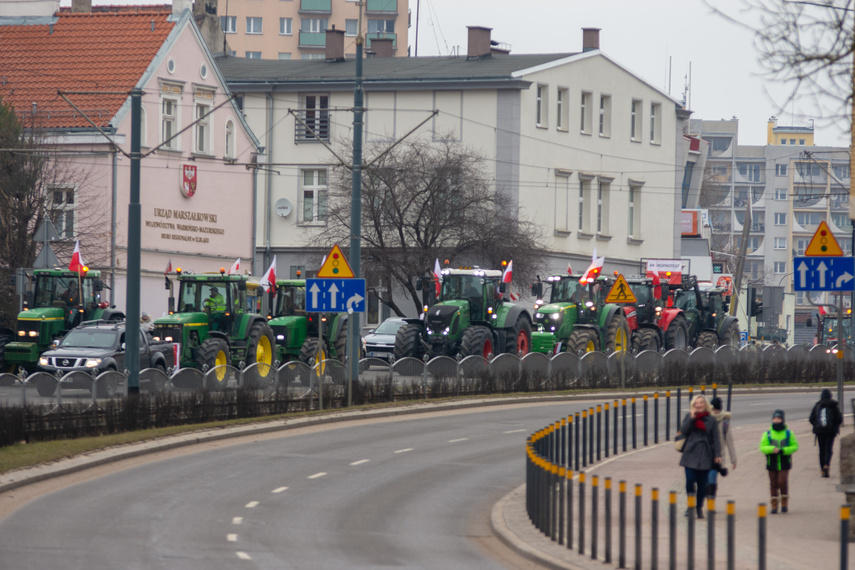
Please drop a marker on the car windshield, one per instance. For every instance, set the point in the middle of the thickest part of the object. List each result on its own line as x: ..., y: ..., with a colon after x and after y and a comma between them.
x: 389, y: 327
x: 90, y: 338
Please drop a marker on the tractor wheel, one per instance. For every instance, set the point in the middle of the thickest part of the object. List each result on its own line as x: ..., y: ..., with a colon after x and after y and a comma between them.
x: 730, y: 337
x: 341, y: 342
x: 477, y: 340
x: 708, y: 340
x: 582, y: 341
x: 646, y: 339
x: 677, y: 335
x: 518, y: 340
x: 618, y: 334
x: 261, y: 348
x: 312, y: 352
x: 214, y: 353
x: 408, y: 342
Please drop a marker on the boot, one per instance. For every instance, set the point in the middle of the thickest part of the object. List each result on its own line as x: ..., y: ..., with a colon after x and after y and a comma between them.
x: 784, y: 501
x: 825, y: 471
x: 711, y: 491
x: 774, y: 510
x: 700, y: 511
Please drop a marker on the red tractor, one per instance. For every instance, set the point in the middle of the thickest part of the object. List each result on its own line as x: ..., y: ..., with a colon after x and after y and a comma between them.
x: 654, y: 321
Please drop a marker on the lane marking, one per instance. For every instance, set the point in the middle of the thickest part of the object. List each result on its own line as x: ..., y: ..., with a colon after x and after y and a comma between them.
x: 316, y: 475
x: 251, y: 504
x: 514, y: 431
x: 360, y: 462
x: 459, y: 439
x: 237, y: 520
x: 404, y: 450
x: 243, y: 555
x: 279, y: 489
x: 231, y: 537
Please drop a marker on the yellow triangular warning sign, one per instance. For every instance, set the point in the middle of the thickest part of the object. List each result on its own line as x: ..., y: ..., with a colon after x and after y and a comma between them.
x: 621, y: 293
x: 823, y: 242
x: 335, y: 265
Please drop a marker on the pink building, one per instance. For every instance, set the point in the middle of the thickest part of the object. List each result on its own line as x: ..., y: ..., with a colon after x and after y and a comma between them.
x: 68, y: 75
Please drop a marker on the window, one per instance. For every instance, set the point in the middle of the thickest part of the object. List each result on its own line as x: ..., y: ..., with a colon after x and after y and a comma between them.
x: 780, y: 170
x: 584, y: 200
x: 381, y: 26
x: 801, y: 142
x: 750, y: 171
x: 284, y: 55
x: 845, y: 245
x: 603, y: 206
x: 313, y: 25
x: 635, y: 121
x: 253, y: 55
x: 784, y: 142
x: 562, y: 201
x: 253, y: 25
x: 230, y: 143
x: 800, y: 297
x: 202, y: 129
x: 314, y: 196
x: 62, y: 211
x: 634, y: 221
x: 587, y: 112
x: 284, y: 26
x: 312, y: 56
x: 780, y: 193
x: 351, y: 27
x: 780, y: 243
x: 792, y: 142
x: 801, y: 245
x: 719, y: 144
x: 753, y: 243
x: 561, y: 115
x: 842, y: 221
x: 655, y: 123
x: 808, y: 218
x: 228, y: 24
x: 841, y: 171
x: 169, y: 122
x: 780, y: 219
x: 316, y: 116
x: 542, y: 102
x: 605, y: 115
x: 780, y: 267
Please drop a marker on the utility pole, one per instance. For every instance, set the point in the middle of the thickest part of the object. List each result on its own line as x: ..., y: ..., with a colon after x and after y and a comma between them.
x: 132, y: 341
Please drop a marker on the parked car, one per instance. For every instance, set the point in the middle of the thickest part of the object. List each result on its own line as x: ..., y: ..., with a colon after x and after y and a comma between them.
x: 380, y: 342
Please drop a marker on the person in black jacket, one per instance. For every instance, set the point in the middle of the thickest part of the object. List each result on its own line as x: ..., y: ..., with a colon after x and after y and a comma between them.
x: 826, y: 419
x: 702, y: 450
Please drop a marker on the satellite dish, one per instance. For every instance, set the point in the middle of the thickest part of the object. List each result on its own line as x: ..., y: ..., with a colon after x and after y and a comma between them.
x: 283, y: 207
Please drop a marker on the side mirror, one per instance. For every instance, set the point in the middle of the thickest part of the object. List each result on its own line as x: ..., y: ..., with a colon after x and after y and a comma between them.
x: 503, y: 287
x: 809, y: 322
x: 241, y: 285
x: 537, y: 290
x: 98, y: 285
x: 122, y: 347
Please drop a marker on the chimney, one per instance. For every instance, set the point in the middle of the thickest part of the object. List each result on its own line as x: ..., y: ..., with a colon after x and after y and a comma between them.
x: 479, y: 42
x: 81, y: 6
x: 590, y: 39
x: 383, y: 47
x: 335, y: 45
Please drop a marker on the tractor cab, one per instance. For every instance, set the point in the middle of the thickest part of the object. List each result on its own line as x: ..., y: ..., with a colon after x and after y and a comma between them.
x: 220, y: 301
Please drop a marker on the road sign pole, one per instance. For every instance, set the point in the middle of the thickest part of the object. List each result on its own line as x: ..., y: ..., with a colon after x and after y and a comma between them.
x: 841, y: 347
x: 356, y: 212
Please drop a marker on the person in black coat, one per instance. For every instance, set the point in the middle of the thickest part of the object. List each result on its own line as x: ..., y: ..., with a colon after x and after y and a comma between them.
x: 826, y: 419
x: 702, y: 450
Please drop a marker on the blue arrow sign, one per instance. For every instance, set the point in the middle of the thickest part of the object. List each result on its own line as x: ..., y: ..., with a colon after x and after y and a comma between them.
x: 335, y: 295
x: 824, y: 273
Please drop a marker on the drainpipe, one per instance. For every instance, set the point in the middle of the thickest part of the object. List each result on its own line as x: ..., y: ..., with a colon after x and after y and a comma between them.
x: 113, y: 233
x: 269, y: 179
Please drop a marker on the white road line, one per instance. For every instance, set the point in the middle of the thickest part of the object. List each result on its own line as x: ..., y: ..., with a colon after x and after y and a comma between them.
x: 404, y: 450
x: 360, y: 462
x: 279, y: 489
x: 231, y: 537
x: 514, y: 431
x: 760, y: 404
x: 251, y: 504
x: 456, y: 440
x: 243, y: 555
x: 237, y: 520
x: 316, y: 475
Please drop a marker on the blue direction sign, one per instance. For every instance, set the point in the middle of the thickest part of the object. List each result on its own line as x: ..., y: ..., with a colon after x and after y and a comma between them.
x: 335, y: 295
x: 824, y: 273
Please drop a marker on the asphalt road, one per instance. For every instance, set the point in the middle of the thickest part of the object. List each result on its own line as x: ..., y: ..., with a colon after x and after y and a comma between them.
x: 407, y: 491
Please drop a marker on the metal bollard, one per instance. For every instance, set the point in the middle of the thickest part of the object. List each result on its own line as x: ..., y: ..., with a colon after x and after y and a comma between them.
x: 569, y: 462
x: 576, y: 442
x: 761, y: 536
x: 623, y: 407
x: 595, y: 503
x: 582, y: 512
x: 711, y: 533
x: 591, y: 436
x: 622, y: 525
x: 729, y: 394
x: 638, y: 499
x: 608, y: 519
x: 690, y: 562
x: 634, y: 439
x: 570, y: 509
x: 584, y: 438
x: 844, y: 537
x: 562, y: 478
x: 606, y: 429
x: 691, y: 395
x: 731, y: 535
x: 655, y: 418
x: 562, y: 447
x: 616, y: 427
x: 645, y: 420
x: 677, y: 417
x: 599, y: 429
x: 703, y: 390
x: 714, y: 390
x: 672, y: 530
x: 668, y: 415
x: 553, y: 502
x: 654, y: 528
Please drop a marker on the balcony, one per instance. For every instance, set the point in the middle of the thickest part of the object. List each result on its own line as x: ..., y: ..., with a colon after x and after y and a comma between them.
x: 313, y: 39
x: 382, y: 36
x: 316, y: 6
x: 316, y: 120
x: 384, y: 6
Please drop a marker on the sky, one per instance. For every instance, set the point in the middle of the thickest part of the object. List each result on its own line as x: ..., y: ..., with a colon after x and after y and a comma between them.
x: 658, y: 40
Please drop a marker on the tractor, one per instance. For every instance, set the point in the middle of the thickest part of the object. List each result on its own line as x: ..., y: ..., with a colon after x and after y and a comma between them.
x: 705, y: 311
x: 655, y: 323
x: 217, y: 323
x: 577, y: 319
x: 61, y: 300
x: 471, y: 317
x: 826, y: 329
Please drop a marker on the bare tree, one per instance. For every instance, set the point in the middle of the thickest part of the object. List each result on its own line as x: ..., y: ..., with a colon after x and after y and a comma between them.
x: 431, y: 200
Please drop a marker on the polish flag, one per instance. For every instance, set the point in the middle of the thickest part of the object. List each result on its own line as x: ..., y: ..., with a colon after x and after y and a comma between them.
x: 76, y: 264
x: 269, y: 279
x: 657, y: 286
x: 235, y: 267
x: 593, y: 269
x: 569, y: 270
x: 168, y: 267
x: 437, y: 275
x: 509, y: 272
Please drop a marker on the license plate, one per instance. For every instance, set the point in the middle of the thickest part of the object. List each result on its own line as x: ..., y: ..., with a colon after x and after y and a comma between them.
x: 377, y: 354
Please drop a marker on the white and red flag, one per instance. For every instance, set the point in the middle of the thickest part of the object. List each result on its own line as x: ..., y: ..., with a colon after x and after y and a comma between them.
x: 437, y: 275
x: 593, y: 269
x: 508, y: 275
x: 569, y: 270
x: 269, y: 279
x: 235, y: 268
x: 168, y: 267
x: 76, y: 263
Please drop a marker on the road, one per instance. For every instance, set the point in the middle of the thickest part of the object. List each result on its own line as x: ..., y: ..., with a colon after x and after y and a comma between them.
x: 408, y: 491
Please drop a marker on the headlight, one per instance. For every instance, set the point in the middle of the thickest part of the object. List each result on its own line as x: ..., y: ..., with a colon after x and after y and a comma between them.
x: 282, y: 337
x: 43, y: 361
x: 92, y: 362
x: 34, y: 333
x: 22, y: 333
x: 168, y: 339
x: 538, y: 316
x: 555, y: 316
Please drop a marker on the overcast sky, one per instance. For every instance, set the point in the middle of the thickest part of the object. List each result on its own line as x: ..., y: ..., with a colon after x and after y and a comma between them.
x: 646, y: 36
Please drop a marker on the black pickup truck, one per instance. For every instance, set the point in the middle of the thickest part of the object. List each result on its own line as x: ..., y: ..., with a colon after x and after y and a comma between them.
x: 99, y: 346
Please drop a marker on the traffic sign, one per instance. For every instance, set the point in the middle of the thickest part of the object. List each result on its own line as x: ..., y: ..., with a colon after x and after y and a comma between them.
x: 620, y: 292
x: 824, y: 273
x: 336, y: 266
x: 335, y: 295
x: 823, y: 243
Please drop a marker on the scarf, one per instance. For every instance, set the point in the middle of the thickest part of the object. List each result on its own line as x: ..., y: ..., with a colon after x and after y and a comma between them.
x: 699, y: 421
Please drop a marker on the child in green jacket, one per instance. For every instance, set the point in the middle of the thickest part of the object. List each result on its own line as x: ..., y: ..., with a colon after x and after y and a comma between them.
x: 779, y: 444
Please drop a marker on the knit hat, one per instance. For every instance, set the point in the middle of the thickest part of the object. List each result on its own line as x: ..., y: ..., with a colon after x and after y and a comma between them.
x: 825, y: 395
x: 716, y: 403
x: 779, y: 414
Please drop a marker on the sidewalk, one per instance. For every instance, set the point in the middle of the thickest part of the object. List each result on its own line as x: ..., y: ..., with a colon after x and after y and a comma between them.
x: 806, y: 537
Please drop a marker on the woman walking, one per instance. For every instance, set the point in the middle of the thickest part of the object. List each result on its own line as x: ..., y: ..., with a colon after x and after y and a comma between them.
x: 701, y: 452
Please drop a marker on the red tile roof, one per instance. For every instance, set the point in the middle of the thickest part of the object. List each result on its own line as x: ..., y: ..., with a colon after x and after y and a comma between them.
x: 105, y: 52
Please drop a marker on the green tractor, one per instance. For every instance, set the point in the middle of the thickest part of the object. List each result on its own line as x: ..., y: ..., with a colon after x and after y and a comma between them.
x: 706, y: 313
x: 217, y: 322
x: 577, y: 319
x: 61, y: 301
x: 296, y: 331
x: 470, y: 318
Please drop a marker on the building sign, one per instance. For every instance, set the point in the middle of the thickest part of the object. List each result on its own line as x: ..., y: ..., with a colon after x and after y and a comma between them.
x: 690, y: 223
x: 669, y: 270
x: 185, y: 225
x: 188, y: 184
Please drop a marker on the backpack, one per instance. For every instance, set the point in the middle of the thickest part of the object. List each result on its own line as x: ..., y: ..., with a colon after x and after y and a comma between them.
x: 826, y: 418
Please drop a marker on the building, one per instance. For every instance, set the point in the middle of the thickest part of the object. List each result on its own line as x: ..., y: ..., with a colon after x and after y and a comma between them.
x: 789, y: 186
x: 197, y: 193
x: 296, y: 29
x: 586, y: 149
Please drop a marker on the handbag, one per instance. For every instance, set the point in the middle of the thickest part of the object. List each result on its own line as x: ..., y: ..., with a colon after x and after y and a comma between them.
x: 679, y: 442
